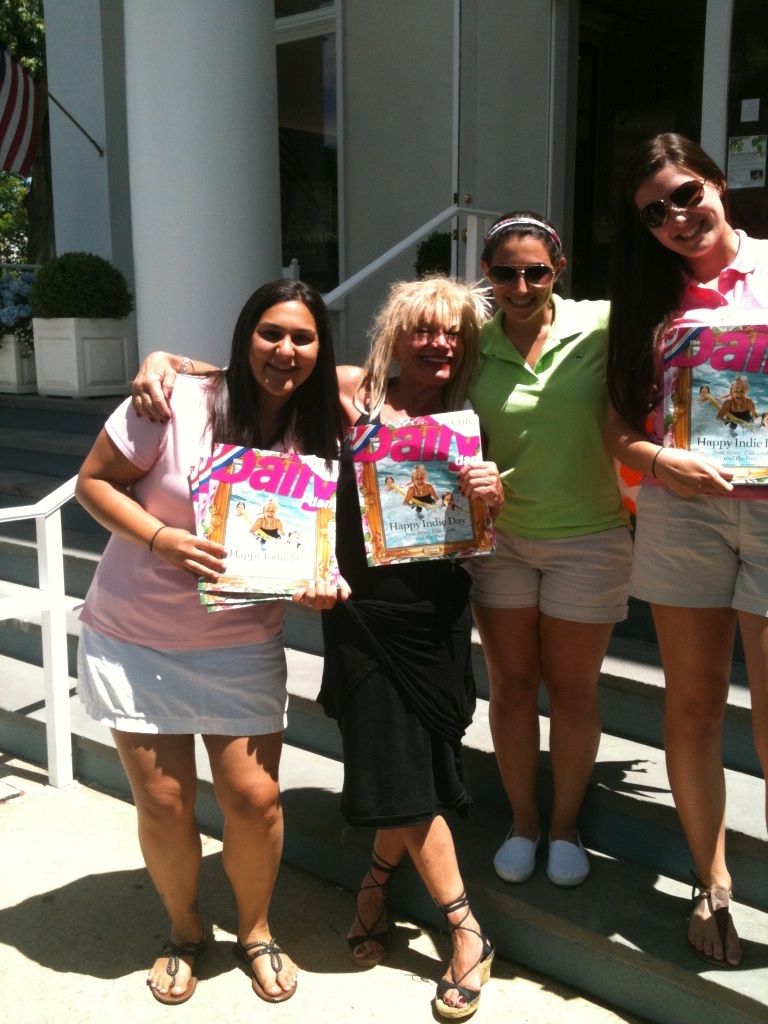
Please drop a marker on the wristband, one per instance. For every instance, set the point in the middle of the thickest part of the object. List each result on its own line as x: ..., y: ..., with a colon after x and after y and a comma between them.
x: 653, y: 463
x: 155, y: 534
x: 185, y: 361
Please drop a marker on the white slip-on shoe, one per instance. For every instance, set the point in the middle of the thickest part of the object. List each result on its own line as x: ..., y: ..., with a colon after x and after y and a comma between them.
x: 516, y: 858
x: 568, y: 864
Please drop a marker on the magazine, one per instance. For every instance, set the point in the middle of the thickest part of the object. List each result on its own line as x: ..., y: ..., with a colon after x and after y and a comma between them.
x: 410, y: 501
x: 275, y: 514
x: 716, y: 396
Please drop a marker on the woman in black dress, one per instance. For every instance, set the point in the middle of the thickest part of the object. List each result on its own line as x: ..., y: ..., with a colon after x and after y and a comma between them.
x: 398, y: 674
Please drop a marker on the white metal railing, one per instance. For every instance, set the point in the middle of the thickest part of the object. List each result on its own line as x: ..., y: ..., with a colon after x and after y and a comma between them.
x: 477, y: 223
x: 48, y: 599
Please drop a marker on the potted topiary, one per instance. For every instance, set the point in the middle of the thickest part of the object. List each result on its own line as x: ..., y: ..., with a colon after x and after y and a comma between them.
x: 80, y: 305
x: 17, y: 363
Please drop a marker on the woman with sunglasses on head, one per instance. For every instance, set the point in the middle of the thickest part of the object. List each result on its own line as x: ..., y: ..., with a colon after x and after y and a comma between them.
x: 700, y: 550
x: 158, y: 669
x: 545, y: 603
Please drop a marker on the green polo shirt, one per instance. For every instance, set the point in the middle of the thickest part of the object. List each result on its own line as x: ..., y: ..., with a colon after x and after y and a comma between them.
x: 545, y: 425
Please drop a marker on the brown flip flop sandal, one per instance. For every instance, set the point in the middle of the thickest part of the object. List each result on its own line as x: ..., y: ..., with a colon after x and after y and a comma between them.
x: 173, y: 952
x: 247, y: 954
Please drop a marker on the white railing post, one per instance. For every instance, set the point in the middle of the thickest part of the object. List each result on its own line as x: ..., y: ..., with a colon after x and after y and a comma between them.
x: 471, y: 254
x: 50, y: 561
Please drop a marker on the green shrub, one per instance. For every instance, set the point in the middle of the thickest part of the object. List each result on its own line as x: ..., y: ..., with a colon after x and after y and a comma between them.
x: 433, y: 254
x: 80, y: 284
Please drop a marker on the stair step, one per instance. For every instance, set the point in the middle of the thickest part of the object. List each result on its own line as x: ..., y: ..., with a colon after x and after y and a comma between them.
x: 621, y: 936
x: 628, y: 810
x: 56, y: 442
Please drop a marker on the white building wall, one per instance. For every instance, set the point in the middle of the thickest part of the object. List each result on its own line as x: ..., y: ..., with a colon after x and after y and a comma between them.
x: 76, y: 79
x: 397, y: 115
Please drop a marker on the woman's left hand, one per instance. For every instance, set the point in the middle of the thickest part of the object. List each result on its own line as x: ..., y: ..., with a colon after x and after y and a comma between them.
x: 320, y: 595
x: 482, y: 480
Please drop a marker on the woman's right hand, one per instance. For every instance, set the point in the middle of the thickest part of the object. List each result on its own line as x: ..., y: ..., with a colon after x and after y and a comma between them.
x: 687, y: 475
x: 153, y: 386
x: 193, y: 555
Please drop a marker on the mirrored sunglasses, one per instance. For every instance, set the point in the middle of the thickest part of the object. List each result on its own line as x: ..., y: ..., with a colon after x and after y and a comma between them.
x: 533, y: 274
x: 685, y: 196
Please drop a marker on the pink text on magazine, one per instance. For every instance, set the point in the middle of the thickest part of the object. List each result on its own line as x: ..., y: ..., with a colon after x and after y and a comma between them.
x: 739, y: 355
x: 421, y: 444
x: 269, y: 473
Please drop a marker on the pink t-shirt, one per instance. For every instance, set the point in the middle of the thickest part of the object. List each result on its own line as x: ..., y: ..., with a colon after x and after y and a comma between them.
x: 741, y: 297
x: 135, y: 596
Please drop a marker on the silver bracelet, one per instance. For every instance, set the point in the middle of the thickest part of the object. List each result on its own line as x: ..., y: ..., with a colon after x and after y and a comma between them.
x: 185, y: 360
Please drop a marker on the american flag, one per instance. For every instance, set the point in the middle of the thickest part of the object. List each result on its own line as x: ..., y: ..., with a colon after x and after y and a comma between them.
x: 19, y: 116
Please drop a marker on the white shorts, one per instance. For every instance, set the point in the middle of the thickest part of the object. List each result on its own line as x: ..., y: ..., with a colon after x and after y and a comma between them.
x: 219, y: 691
x: 701, y: 552
x: 581, y: 579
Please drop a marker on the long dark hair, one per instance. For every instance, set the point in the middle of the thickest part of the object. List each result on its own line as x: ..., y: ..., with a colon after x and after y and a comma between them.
x: 646, y: 280
x: 233, y: 398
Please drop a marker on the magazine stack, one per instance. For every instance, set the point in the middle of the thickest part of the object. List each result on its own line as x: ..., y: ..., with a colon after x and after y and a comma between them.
x: 274, y: 512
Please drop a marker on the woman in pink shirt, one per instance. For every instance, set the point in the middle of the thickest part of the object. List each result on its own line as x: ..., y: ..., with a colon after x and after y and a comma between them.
x: 681, y: 271
x: 157, y: 668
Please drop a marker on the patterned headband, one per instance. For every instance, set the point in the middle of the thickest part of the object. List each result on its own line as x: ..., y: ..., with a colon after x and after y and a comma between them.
x: 514, y: 221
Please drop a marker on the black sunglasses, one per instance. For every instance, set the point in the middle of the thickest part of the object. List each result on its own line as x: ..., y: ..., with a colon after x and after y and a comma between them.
x: 533, y: 274
x: 689, y: 194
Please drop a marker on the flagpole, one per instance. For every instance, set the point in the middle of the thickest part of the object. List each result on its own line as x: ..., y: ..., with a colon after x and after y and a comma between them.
x: 77, y: 124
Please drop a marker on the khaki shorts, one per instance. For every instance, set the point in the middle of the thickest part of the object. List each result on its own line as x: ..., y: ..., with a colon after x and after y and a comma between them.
x: 581, y: 579
x: 701, y: 552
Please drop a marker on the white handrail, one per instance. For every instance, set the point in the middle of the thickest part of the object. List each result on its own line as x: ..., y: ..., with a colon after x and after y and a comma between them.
x: 45, y: 507
x: 50, y: 603
x: 415, y: 236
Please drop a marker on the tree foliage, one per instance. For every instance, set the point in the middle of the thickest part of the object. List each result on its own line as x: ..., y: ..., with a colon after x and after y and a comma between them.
x: 14, y: 221
x: 22, y: 31
x: 26, y: 206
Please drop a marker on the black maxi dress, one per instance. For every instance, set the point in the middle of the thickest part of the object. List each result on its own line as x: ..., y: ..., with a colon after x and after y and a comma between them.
x: 398, y: 678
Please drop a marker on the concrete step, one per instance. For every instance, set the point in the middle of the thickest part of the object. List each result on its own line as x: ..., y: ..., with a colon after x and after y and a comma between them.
x: 22, y: 487
x: 43, y: 451
x: 75, y: 415
x: 82, y: 550
x: 628, y: 810
x: 631, y: 685
x: 620, y: 937
x: 631, y: 690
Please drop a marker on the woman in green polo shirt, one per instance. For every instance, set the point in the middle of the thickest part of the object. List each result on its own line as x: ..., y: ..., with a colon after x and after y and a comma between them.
x: 545, y: 603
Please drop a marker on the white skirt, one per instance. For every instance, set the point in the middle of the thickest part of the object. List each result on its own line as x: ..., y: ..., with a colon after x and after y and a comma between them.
x: 222, y: 691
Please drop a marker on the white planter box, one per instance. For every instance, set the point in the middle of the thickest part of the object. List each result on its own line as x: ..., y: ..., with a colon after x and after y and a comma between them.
x: 17, y: 372
x: 81, y: 357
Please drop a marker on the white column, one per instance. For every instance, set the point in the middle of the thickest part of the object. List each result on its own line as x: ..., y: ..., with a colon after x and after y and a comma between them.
x: 201, y: 93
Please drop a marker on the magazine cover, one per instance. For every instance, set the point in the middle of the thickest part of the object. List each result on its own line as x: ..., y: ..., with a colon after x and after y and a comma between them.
x: 716, y: 396
x: 409, y: 496
x: 275, y: 514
